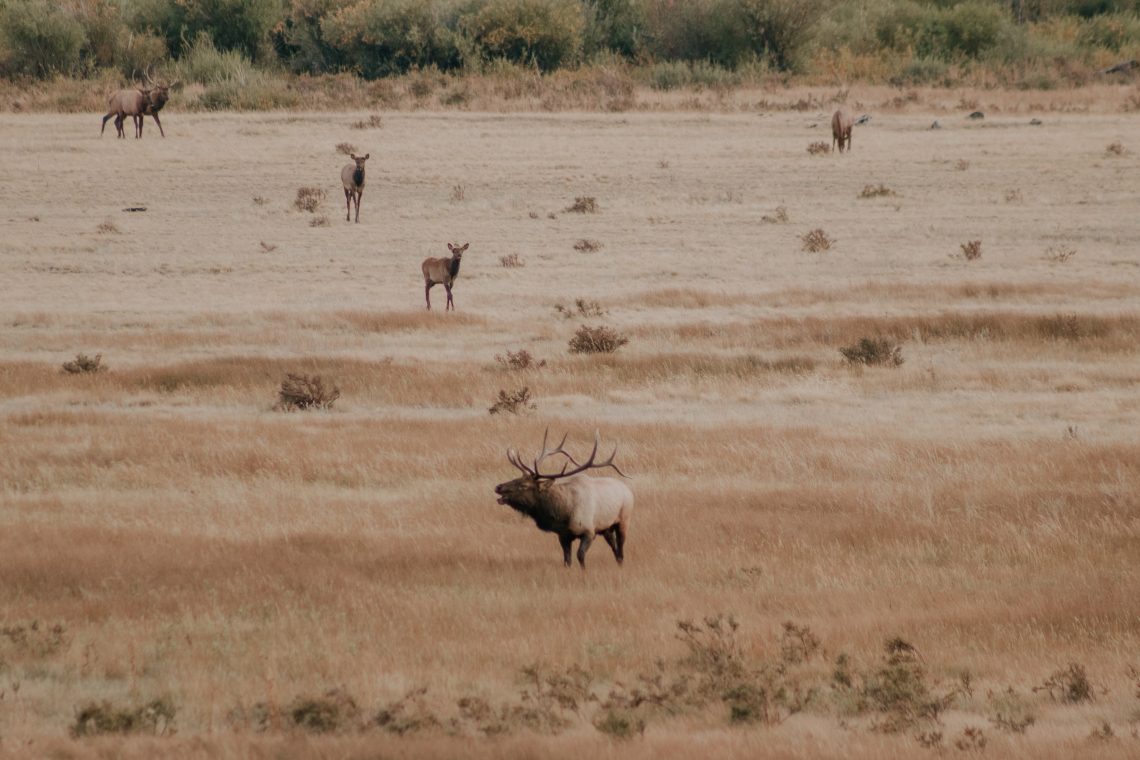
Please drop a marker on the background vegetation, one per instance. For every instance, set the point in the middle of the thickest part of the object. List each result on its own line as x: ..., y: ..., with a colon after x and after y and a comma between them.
x: 232, y: 46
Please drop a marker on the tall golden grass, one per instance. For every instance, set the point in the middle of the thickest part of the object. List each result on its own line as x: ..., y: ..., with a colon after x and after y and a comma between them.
x: 165, y: 535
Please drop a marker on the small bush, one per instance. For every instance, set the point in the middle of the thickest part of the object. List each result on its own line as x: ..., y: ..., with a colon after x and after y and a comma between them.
x: 511, y: 261
x: 83, y: 364
x: 596, y: 340
x: 816, y: 240
x: 260, y: 200
x: 104, y: 718
x: 870, y: 191
x: 972, y: 250
x: 407, y: 715
x: 521, y: 359
x: 819, y: 148
x: 458, y: 194
x: 962, y: 165
x: 320, y: 221
x: 1010, y: 712
x: 1070, y: 685
x: 620, y: 724
x: 345, y: 148
x: 40, y: 38
x: 971, y: 740
x: 797, y: 644
x: 779, y: 216
x: 513, y: 402
x: 108, y: 227
x: 333, y: 711
x: 372, y: 122
x: 1013, y: 196
x: 1059, y: 253
x: 1115, y: 149
x: 542, y: 33
x: 873, y: 352
x: 583, y: 205
x: 582, y: 308
x: 305, y: 392
x: 309, y: 199
x: 587, y: 246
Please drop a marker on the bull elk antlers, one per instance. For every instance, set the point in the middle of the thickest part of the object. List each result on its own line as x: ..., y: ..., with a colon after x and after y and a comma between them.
x: 514, y: 458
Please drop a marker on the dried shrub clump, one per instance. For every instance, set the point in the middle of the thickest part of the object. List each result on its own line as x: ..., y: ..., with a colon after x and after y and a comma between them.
x: 972, y: 250
x: 305, y: 392
x: 583, y: 204
x: 871, y: 191
x: 873, y: 352
x: 458, y: 193
x: 518, y: 360
x: 819, y: 148
x: 1059, y: 253
x: 84, y: 364
x: 513, y: 402
x: 372, y: 122
x: 407, y: 715
x: 1011, y: 711
x: 596, y: 340
x: 779, y: 216
x: 309, y: 199
x: 335, y: 710
x: 108, y: 228
x: 511, y: 261
x: 320, y: 221
x: 1115, y: 149
x: 345, y: 148
x: 98, y: 718
x: 587, y: 246
x: 816, y: 240
x: 1070, y: 685
x: 581, y: 308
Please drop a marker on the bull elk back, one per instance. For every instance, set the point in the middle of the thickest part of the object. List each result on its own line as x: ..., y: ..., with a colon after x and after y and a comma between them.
x: 443, y: 271
x: 570, y: 504
x: 352, y: 177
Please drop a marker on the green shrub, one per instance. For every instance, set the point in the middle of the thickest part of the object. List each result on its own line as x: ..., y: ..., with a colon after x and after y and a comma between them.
x: 1115, y: 33
x: 137, y: 52
x: 615, y: 26
x: 709, y: 30
x: 779, y: 30
x: 544, y: 33
x: 379, y: 38
x: 40, y: 39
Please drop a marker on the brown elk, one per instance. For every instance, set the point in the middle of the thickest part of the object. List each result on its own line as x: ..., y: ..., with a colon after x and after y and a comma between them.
x: 443, y: 271
x: 842, y: 124
x: 352, y: 176
x: 137, y: 103
x: 573, y: 507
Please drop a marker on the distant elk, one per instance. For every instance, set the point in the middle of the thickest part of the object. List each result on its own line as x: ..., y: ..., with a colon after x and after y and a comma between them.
x: 443, y: 271
x: 352, y: 176
x: 842, y: 124
x: 137, y: 103
x: 573, y: 507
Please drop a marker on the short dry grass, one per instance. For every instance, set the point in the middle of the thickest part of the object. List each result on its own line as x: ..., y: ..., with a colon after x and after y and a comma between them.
x: 186, y: 572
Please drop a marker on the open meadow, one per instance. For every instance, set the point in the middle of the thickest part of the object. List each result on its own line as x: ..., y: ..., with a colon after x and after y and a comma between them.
x: 826, y: 558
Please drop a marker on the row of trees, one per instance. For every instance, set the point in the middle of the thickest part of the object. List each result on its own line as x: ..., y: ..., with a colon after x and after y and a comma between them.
x: 376, y: 38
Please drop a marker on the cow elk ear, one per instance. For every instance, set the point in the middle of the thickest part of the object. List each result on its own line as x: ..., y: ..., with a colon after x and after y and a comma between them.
x: 450, y: 247
x: 366, y: 156
x: 465, y: 246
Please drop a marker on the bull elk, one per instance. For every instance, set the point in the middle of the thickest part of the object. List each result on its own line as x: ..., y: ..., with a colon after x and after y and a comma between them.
x: 842, y: 124
x: 137, y: 103
x: 443, y: 271
x: 568, y: 503
x: 352, y: 177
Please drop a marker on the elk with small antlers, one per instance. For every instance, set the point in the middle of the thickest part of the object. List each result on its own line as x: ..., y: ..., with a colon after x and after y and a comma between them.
x: 573, y: 507
x: 443, y: 271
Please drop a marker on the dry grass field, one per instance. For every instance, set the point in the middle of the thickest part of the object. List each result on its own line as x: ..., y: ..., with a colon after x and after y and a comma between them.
x: 187, y: 571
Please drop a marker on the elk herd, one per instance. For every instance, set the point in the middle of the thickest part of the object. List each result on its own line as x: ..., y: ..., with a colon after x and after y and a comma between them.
x: 562, y: 500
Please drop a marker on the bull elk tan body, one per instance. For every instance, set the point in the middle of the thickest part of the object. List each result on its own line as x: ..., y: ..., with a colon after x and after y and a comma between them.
x: 570, y: 504
x: 137, y: 103
x: 443, y: 271
x: 352, y: 177
x: 842, y: 124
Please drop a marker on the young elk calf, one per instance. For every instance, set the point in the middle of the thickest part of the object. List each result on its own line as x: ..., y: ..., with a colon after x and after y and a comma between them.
x: 352, y: 175
x: 443, y: 271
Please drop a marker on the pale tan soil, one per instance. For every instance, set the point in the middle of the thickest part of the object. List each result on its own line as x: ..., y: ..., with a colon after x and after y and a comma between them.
x: 980, y: 500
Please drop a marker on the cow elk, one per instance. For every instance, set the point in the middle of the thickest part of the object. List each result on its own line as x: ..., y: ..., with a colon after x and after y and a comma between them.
x: 842, y: 124
x: 137, y: 103
x: 443, y: 271
x: 352, y: 176
x: 568, y: 503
